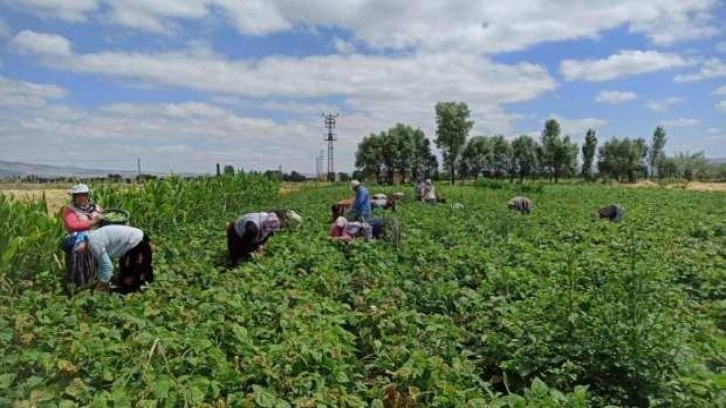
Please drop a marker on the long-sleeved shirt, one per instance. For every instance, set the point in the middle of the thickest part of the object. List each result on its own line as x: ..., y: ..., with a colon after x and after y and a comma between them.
x: 75, y: 220
x: 362, y: 204
x: 240, y: 226
x: 111, y: 242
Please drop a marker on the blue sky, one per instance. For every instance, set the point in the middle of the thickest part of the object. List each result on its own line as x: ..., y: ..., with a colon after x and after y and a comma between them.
x: 184, y: 84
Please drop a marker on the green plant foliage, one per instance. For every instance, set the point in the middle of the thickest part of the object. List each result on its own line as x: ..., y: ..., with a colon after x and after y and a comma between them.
x: 476, y: 308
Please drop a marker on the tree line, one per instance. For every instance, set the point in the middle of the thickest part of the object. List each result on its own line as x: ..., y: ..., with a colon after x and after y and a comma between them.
x: 407, y: 153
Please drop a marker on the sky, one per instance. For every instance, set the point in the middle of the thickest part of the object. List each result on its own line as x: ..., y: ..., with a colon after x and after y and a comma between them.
x: 184, y: 84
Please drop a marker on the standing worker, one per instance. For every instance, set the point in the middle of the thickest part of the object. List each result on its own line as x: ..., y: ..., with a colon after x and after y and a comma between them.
x: 361, y: 208
x: 80, y: 215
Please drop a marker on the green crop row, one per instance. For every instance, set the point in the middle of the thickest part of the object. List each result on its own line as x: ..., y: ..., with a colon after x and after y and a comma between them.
x: 479, y: 307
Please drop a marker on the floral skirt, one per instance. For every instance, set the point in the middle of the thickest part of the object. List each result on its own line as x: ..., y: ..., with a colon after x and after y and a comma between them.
x: 81, y: 267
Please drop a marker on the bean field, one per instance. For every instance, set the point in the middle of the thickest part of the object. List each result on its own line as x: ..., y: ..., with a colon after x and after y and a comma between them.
x: 478, y: 307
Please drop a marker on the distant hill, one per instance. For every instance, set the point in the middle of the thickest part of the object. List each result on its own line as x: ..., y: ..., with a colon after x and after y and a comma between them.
x: 17, y: 169
x: 718, y: 160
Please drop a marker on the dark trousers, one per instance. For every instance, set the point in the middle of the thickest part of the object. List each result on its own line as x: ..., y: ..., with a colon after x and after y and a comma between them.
x: 136, y: 267
x: 240, y: 248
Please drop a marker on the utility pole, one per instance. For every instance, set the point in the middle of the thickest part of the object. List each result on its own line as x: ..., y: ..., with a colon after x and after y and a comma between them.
x: 330, y: 137
x: 138, y: 166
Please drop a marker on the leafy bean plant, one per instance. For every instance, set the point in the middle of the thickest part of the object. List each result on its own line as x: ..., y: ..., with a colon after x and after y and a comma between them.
x: 478, y: 307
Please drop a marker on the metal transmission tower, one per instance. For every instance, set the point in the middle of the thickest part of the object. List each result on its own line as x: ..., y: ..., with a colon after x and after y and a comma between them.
x: 330, y: 138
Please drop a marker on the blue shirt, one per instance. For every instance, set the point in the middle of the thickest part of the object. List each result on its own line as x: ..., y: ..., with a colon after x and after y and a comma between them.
x: 362, y: 203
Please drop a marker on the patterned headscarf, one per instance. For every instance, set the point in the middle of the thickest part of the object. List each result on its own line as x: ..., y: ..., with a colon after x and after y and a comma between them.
x: 270, y: 224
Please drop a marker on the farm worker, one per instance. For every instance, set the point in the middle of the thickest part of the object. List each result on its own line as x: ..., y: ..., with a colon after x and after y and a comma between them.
x: 249, y: 234
x: 420, y: 190
x: 613, y: 212
x: 521, y: 204
x: 429, y: 192
x: 346, y: 231
x: 81, y: 214
x: 131, y: 246
x: 361, y: 208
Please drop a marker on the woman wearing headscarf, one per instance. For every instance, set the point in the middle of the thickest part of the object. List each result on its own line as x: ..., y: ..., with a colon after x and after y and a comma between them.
x: 346, y: 231
x: 80, y: 215
x: 131, y: 246
x: 249, y: 234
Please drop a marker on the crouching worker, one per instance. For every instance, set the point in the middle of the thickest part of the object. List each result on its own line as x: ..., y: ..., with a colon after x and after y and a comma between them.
x: 131, y: 246
x: 346, y: 231
x: 520, y: 204
x: 249, y: 234
x: 613, y: 212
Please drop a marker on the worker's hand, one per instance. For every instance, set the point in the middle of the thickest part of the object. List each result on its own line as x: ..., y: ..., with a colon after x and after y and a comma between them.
x: 97, y: 217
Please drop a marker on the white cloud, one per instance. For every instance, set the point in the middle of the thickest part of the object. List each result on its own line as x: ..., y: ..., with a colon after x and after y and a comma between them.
x: 615, y: 97
x: 721, y: 106
x: 342, y: 46
x: 624, y: 63
x: 712, y: 68
x: 46, y: 44
x: 459, y: 24
x: 20, y: 94
x: 378, y: 87
x: 156, y: 15
x: 664, y: 104
x: 679, y: 26
x: 68, y: 10
x: 721, y: 90
x: 680, y: 122
x: 714, y: 130
x: 429, y: 76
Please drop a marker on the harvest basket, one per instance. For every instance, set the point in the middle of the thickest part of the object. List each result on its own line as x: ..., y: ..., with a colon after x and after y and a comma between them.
x: 115, y: 217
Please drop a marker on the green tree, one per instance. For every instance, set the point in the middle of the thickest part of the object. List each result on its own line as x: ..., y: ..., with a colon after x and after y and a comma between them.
x: 502, y: 156
x: 524, y: 155
x: 369, y: 156
x: 453, y: 126
x: 425, y: 162
x: 622, y: 158
x: 228, y: 170
x: 559, y: 155
x: 550, y: 141
x: 691, y: 165
x: 588, y: 154
x: 476, y: 157
x: 655, y: 153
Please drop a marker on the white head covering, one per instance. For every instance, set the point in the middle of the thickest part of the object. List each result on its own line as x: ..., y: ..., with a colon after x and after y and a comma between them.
x: 341, y: 222
x: 80, y: 189
x: 294, y: 219
x: 354, y: 183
